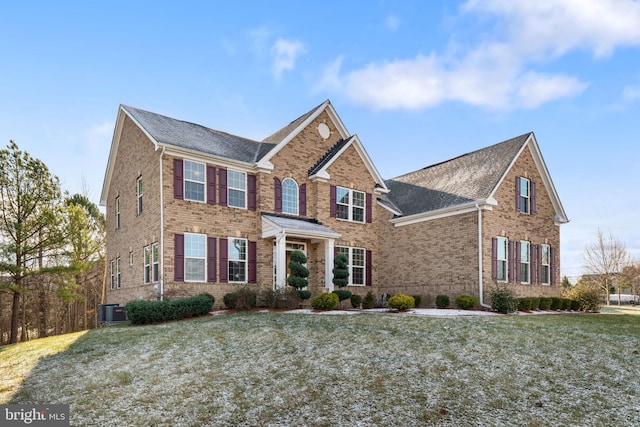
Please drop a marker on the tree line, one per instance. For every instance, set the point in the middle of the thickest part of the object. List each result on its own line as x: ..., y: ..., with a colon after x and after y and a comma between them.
x: 52, y: 268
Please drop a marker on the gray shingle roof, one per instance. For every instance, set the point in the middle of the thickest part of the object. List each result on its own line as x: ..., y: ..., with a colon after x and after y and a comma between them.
x: 191, y: 136
x: 463, y: 179
x: 328, y: 156
x: 305, y: 225
x: 280, y: 134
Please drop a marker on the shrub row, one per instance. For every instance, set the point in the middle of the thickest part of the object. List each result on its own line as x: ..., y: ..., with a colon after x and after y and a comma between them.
x: 144, y: 312
x: 545, y: 303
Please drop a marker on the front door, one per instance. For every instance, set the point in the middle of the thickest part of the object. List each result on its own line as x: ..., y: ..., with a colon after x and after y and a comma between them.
x: 290, y: 247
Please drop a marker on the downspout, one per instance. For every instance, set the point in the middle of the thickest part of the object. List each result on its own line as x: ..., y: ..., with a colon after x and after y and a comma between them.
x: 480, y: 264
x: 161, y: 266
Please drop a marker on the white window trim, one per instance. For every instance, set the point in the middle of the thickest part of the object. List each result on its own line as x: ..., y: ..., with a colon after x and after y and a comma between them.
x: 351, y: 267
x: 548, y: 265
x: 504, y: 242
x: 139, y: 206
x: 526, y: 181
x: 146, y: 262
x: 526, y: 243
x: 245, y: 190
x: 203, y: 183
x: 296, y: 205
x: 230, y: 241
x: 130, y: 257
x: 351, y: 206
x: 112, y: 284
x: 155, y: 262
x: 204, y: 278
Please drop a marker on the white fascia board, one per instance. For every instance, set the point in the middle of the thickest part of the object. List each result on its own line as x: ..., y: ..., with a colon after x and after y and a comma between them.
x: 389, y: 208
x: 274, y: 230
x: 486, y: 205
x: 115, y: 143
x: 198, y: 156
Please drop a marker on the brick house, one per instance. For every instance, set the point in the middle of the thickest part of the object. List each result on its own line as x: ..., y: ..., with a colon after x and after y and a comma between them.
x: 191, y: 209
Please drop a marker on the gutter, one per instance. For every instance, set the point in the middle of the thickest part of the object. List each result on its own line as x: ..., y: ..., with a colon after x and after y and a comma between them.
x: 161, y: 256
x: 480, y: 263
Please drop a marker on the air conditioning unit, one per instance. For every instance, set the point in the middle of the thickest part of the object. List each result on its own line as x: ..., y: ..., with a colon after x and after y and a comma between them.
x: 115, y: 313
x: 102, y: 313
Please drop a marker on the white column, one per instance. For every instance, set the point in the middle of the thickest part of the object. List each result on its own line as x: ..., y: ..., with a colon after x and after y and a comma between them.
x: 329, y: 249
x: 281, y: 260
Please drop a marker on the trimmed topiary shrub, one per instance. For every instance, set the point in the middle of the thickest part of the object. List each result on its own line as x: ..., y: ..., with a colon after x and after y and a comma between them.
x: 401, y: 302
x: 524, y: 304
x: 503, y: 299
x: 556, y: 303
x: 325, y: 301
x: 369, y: 301
x: 229, y: 300
x: 575, y: 305
x: 466, y: 302
x: 340, y: 271
x: 304, y: 295
x: 417, y: 299
x: 566, y: 304
x: 535, y: 303
x: 356, y: 301
x: 545, y: 303
x: 343, y: 295
x: 144, y: 312
x: 442, y: 301
x: 299, y: 273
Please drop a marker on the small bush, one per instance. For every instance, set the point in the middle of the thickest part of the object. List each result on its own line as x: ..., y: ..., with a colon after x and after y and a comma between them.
x: 417, y: 299
x: 556, y: 303
x: 503, y: 299
x: 545, y: 303
x: 535, y: 303
x: 144, y: 312
x: 589, y: 297
x: 575, y: 305
x: 246, y: 298
x: 566, y: 304
x: 304, y: 295
x: 343, y: 294
x: 286, y: 298
x: 466, y: 302
x: 401, y: 302
x: 325, y: 301
x: 356, y: 301
x: 381, y: 302
x: 524, y: 304
x: 369, y: 301
x: 229, y: 300
x: 442, y: 301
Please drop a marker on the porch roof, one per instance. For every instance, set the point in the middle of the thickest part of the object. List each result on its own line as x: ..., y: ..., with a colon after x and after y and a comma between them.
x: 274, y: 225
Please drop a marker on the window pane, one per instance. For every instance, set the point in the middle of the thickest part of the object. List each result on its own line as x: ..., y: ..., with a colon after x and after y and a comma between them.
x: 237, y: 271
x: 194, y: 191
x: 236, y: 180
x: 194, y: 171
x: 358, y: 215
x: 545, y: 274
x: 194, y: 269
x: 358, y: 257
x: 524, y: 252
x: 194, y: 245
x: 342, y: 195
x: 502, y: 270
x: 545, y: 254
x: 524, y: 270
x: 358, y: 276
x: 236, y: 198
x: 238, y: 249
x: 502, y: 249
x: 358, y: 198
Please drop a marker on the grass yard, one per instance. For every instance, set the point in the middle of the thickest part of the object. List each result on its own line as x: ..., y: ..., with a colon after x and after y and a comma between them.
x: 371, y: 369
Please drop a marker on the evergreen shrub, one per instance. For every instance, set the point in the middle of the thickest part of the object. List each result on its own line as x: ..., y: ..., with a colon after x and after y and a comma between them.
x: 369, y: 301
x: 230, y: 300
x: 401, y: 302
x: 556, y: 303
x: 356, y: 301
x: 325, y: 301
x: 145, y: 312
x: 442, y: 301
x: 545, y: 303
x: 503, y: 299
x: 466, y: 302
x: 535, y: 303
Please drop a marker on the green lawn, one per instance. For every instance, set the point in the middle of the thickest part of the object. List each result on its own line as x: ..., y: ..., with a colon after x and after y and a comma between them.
x: 350, y: 370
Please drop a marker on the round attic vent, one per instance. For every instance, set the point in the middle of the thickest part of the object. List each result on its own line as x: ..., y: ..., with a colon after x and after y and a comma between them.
x: 324, y: 130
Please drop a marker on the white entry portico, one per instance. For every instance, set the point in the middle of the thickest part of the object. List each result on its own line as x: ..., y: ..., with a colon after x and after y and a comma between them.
x: 284, y: 228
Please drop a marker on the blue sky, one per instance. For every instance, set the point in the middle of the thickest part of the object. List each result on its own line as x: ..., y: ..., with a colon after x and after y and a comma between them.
x: 419, y: 82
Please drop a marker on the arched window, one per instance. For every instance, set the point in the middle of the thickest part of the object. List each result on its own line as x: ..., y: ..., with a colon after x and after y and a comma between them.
x: 289, y: 196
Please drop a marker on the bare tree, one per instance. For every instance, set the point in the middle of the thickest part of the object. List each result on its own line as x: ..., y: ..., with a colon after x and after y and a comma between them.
x: 605, y: 259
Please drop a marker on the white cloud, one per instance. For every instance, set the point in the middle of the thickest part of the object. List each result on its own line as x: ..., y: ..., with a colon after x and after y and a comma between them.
x: 392, y: 22
x: 285, y: 53
x: 631, y: 94
x: 498, y: 73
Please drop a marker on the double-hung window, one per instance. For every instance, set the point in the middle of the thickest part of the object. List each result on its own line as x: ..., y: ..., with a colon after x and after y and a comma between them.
x: 525, y: 195
x: 237, y: 189
x: 290, y: 196
x: 357, y: 264
x: 118, y: 278
x: 525, y: 262
x: 194, y: 181
x: 195, y: 257
x: 155, y: 262
x: 502, y: 259
x: 237, y: 251
x: 118, y: 212
x: 350, y: 204
x: 112, y: 272
x: 545, y: 264
x: 139, y: 194
x: 147, y: 265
